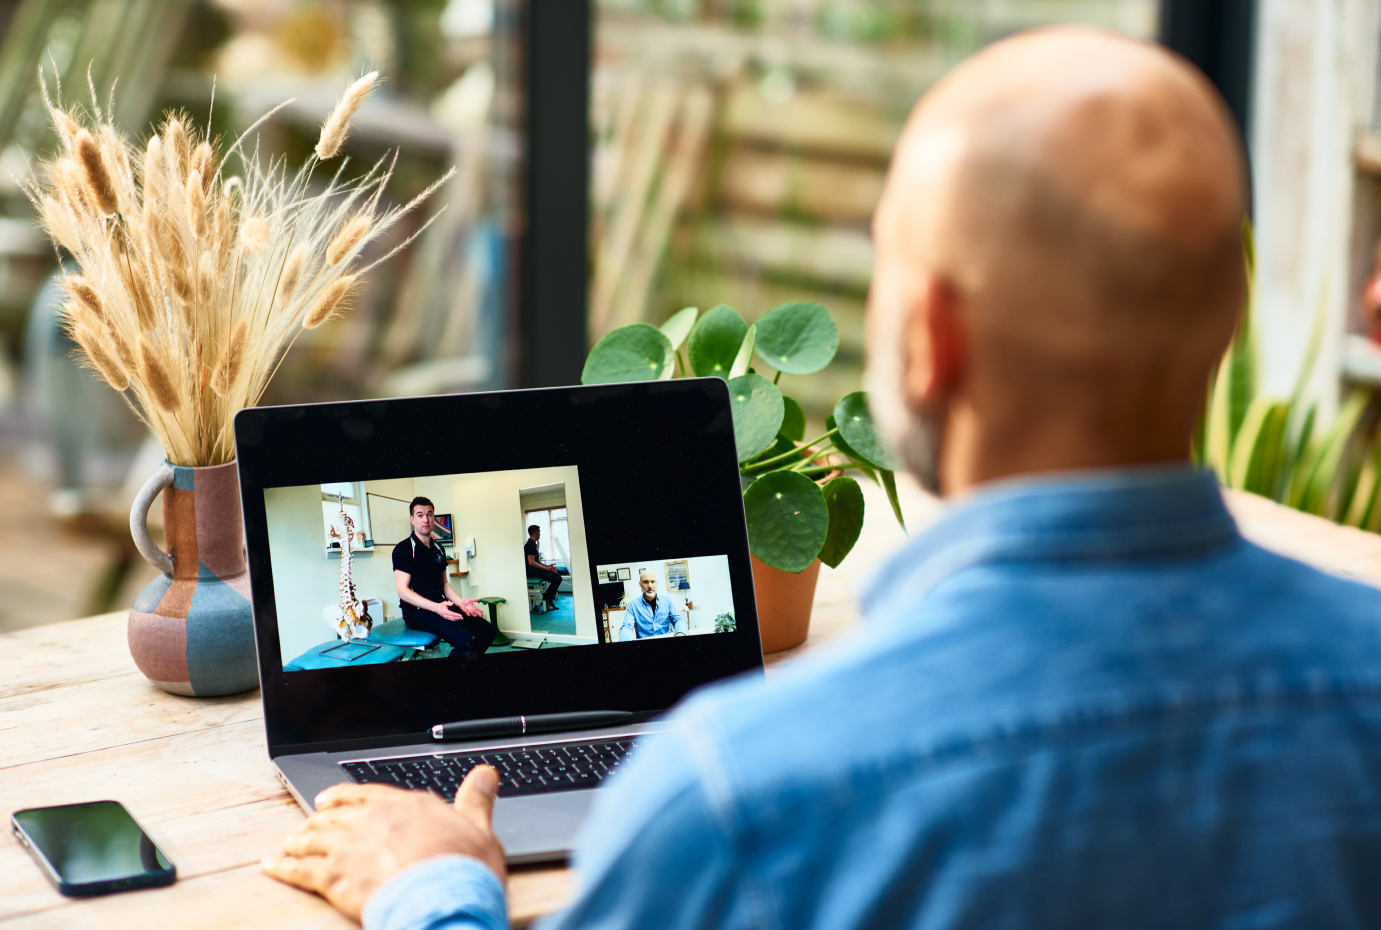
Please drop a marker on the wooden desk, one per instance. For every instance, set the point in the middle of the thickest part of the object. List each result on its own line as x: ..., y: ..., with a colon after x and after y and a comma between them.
x: 79, y: 723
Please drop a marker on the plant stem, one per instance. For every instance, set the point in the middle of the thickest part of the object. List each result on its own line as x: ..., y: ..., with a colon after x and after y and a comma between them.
x: 778, y: 378
x: 831, y: 448
x: 680, y: 369
x: 824, y: 469
x: 757, y: 467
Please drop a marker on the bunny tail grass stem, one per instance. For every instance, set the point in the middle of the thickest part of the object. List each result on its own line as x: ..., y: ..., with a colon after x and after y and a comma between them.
x: 326, y: 304
x: 337, y: 125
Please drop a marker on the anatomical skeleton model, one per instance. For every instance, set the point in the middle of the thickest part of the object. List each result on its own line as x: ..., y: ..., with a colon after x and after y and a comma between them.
x: 348, y: 617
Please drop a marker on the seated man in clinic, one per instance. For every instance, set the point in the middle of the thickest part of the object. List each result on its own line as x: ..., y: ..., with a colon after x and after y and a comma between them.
x: 425, y: 593
x: 538, y: 569
x: 650, y: 615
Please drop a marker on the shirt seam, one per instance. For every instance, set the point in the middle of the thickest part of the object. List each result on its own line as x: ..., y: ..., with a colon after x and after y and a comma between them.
x: 722, y: 800
x: 1091, y: 722
x: 1063, y: 733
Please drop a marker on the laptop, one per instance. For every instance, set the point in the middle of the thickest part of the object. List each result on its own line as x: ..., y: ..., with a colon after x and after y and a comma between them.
x: 599, y: 532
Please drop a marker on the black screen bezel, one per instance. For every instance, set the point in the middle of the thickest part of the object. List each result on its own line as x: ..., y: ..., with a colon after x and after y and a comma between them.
x: 658, y: 472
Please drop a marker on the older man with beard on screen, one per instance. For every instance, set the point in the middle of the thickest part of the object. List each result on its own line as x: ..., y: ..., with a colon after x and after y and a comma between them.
x: 1080, y: 698
x: 649, y: 615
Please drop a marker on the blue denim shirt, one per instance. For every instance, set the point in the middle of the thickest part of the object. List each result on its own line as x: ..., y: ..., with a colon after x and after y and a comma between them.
x: 1084, y: 702
x: 641, y: 619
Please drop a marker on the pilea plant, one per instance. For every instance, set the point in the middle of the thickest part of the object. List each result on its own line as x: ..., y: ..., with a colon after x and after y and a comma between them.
x: 799, y: 503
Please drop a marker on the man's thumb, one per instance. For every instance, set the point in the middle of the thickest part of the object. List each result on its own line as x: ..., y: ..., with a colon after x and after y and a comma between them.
x: 475, y: 799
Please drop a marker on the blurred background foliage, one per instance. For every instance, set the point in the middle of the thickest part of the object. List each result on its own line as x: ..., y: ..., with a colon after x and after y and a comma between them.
x: 737, y: 150
x: 740, y: 147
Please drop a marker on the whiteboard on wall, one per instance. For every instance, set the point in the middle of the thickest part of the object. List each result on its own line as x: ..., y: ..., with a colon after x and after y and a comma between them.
x: 388, y: 517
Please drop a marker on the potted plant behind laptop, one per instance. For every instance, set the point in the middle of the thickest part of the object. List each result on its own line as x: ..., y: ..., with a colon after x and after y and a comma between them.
x: 192, y: 283
x: 802, y: 508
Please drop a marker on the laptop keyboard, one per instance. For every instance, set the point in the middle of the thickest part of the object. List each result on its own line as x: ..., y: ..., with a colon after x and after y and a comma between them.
x: 525, y: 770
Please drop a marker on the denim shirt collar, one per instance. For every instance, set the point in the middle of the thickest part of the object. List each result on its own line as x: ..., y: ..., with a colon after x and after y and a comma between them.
x: 1158, y: 511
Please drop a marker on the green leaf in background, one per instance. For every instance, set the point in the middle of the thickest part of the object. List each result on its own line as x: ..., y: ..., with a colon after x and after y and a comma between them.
x: 678, y: 327
x: 757, y: 408
x: 1218, y: 433
x: 856, y: 427
x: 794, y: 420
x: 1234, y: 383
x: 842, y: 445
x: 788, y: 520
x: 889, y: 481
x: 797, y: 338
x: 715, y: 340
x: 1257, y: 449
x: 745, y: 354
x: 1370, y: 517
x: 1242, y: 353
x: 637, y: 352
x: 844, y: 498
x: 1299, y: 441
x: 1321, y: 478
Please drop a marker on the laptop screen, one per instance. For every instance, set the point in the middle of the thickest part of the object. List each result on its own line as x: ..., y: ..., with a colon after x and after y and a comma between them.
x: 427, y: 560
x: 469, y: 566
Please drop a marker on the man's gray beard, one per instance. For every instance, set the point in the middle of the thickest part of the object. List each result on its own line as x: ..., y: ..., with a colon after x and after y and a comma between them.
x: 912, y: 435
x: 918, y: 447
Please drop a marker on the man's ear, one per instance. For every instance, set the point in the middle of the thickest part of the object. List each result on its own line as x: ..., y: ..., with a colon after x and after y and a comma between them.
x: 934, y: 344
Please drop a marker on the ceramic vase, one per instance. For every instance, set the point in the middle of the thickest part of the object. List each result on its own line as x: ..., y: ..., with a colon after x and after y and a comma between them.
x: 784, y: 603
x: 191, y: 630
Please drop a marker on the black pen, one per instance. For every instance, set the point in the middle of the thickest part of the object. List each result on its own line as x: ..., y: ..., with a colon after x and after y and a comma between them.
x: 538, y: 723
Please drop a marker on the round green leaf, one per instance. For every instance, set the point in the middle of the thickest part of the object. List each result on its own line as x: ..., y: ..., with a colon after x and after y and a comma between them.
x: 798, y: 338
x: 856, y: 428
x: 637, y: 352
x: 715, y: 341
x: 679, y: 326
x: 794, y: 420
x: 757, y: 407
x: 788, y: 520
x: 844, y: 498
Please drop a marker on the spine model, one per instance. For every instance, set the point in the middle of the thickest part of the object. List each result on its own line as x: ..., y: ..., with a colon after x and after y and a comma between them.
x: 348, y: 617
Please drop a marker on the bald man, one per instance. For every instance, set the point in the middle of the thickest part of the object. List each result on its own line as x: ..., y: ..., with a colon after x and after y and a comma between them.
x: 1080, y: 698
x: 650, y: 615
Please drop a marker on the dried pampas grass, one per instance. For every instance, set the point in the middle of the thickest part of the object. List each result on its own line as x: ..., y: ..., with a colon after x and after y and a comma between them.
x: 194, y: 285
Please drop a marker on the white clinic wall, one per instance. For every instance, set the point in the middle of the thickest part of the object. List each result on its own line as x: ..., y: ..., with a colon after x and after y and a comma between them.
x: 306, y: 580
x: 487, y: 507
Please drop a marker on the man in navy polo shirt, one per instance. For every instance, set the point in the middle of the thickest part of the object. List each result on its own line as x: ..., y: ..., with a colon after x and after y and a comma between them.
x: 425, y: 592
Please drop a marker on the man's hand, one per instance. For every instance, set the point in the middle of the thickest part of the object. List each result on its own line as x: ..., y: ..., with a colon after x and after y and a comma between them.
x: 363, y: 835
x: 443, y: 610
x: 468, y: 607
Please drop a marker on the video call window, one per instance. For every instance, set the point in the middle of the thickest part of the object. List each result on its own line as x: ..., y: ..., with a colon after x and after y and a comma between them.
x: 657, y: 599
x: 494, y: 562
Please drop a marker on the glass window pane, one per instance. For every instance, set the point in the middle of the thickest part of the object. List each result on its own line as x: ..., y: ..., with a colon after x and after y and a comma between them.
x: 740, y: 147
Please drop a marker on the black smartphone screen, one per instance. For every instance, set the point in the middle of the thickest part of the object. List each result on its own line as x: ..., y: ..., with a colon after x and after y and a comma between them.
x: 93, y: 848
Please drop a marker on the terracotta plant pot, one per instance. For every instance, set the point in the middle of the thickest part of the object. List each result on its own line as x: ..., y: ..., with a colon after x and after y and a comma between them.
x: 784, y: 602
x: 191, y: 630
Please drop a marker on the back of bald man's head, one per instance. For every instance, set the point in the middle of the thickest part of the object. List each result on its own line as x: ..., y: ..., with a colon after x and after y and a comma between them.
x: 1084, y: 194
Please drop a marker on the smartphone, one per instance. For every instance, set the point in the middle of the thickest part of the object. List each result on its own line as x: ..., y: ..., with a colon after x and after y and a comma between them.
x: 92, y: 848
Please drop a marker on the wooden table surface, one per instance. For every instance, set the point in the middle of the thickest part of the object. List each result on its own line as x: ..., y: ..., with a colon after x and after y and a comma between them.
x: 78, y: 722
